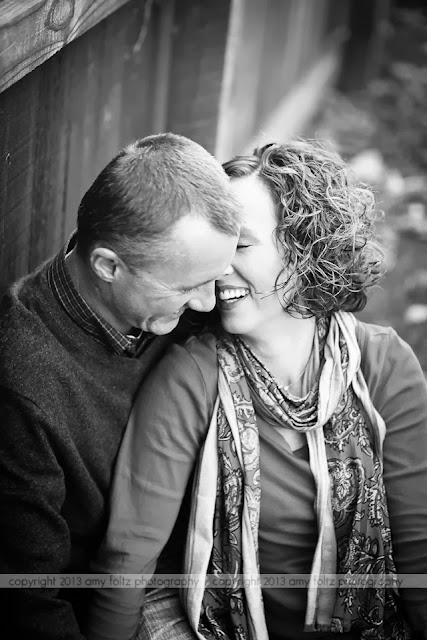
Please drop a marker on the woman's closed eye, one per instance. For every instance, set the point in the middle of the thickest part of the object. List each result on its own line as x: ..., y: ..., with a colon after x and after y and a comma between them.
x: 243, y: 246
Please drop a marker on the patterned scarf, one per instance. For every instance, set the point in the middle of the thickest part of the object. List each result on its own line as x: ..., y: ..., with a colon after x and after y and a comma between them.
x: 344, y: 435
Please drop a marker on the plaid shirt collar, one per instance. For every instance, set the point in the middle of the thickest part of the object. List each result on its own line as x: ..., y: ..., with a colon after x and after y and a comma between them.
x: 77, y: 308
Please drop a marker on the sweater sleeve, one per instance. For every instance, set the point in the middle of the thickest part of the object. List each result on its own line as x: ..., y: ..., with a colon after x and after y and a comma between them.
x: 165, y: 431
x: 34, y: 537
x: 399, y: 393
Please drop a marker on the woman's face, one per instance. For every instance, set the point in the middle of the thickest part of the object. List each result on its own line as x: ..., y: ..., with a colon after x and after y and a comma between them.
x: 246, y: 298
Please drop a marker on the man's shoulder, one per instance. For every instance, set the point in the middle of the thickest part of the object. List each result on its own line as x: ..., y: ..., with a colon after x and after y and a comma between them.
x: 23, y: 295
x: 21, y: 298
x: 26, y: 341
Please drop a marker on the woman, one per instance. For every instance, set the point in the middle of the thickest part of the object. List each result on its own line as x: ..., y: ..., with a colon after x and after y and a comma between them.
x: 308, y: 427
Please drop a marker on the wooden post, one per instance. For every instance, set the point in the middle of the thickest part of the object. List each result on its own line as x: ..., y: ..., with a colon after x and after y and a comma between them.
x: 199, y: 45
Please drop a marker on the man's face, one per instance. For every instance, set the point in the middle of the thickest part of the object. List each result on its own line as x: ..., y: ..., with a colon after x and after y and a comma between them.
x: 153, y: 299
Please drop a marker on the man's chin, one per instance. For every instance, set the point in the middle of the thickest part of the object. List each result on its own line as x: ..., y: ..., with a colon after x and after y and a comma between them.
x: 162, y: 326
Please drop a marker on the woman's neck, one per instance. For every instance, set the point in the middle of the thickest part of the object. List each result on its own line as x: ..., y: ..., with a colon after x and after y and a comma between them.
x: 284, y: 347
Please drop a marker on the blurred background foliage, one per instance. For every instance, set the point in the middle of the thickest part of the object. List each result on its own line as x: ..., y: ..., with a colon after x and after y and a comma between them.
x: 381, y: 130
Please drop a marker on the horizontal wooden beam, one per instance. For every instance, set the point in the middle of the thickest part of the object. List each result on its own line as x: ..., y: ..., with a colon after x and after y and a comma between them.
x: 31, y: 31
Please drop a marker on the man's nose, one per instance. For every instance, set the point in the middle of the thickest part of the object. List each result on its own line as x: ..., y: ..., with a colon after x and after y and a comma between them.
x: 229, y: 270
x: 205, y: 300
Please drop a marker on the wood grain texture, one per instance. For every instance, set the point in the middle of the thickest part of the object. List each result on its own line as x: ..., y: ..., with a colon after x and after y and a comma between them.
x: 31, y: 31
x: 197, y: 66
x: 62, y: 123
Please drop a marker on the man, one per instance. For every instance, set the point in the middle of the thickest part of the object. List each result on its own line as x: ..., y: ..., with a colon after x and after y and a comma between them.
x: 77, y: 337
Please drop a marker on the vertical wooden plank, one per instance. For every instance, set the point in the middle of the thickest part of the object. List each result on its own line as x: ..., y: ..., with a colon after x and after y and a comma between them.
x: 49, y: 162
x: 309, y: 43
x: 289, y: 55
x: 115, y: 84
x: 197, y: 69
x: 163, y: 66
x: 239, y: 105
x: 17, y: 140
x: 294, y: 41
x: 145, y: 37
x: 248, y: 74
x: 277, y: 31
x: 224, y: 143
x: 274, y: 51
x: 296, y: 44
x: 82, y: 66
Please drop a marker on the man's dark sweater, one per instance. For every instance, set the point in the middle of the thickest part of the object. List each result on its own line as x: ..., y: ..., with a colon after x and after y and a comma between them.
x: 64, y: 403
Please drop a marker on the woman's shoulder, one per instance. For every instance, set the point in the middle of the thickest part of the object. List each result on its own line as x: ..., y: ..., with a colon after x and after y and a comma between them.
x: 186, y: 376
x: 189, y: 360
x: 387, y: 361
x: 201, y: 348
x: 378, y: 342
x: 200, y: 345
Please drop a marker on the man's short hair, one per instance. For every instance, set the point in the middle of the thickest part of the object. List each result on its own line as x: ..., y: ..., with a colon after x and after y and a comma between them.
x: 133, y: 204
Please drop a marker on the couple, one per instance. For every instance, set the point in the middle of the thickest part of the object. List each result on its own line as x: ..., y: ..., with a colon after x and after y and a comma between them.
x: 296, y: 434
x: 313, y: 423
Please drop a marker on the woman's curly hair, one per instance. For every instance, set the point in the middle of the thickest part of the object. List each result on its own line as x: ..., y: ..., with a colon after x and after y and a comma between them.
x: 325, y: 226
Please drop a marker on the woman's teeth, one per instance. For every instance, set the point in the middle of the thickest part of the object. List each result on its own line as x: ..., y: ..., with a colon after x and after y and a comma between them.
x: 229, y: 294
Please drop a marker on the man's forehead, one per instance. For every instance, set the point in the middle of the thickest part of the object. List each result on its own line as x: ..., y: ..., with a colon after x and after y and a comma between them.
x: 194, y: 256
x: 177, y: 280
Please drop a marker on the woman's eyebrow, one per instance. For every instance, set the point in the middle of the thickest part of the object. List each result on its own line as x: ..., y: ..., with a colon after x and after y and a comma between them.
x: 248, y: 234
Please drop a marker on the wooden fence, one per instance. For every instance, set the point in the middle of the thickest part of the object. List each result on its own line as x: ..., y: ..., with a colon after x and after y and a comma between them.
x: 81, y: 78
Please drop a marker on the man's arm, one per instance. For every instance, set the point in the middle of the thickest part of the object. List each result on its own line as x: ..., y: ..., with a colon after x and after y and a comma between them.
x: 34, y: 537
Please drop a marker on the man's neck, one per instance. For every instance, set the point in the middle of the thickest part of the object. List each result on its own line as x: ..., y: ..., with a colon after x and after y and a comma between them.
x: 77, y: 272
x: 86, y: 286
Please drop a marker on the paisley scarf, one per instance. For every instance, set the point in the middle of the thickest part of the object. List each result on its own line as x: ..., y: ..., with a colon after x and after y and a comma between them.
x: 345, y: 435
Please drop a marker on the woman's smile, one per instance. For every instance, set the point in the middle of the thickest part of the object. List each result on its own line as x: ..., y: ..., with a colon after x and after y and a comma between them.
x: 229, y: 297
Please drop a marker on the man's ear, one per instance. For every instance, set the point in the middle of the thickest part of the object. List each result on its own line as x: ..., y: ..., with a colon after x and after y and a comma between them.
x: 105, y: 263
